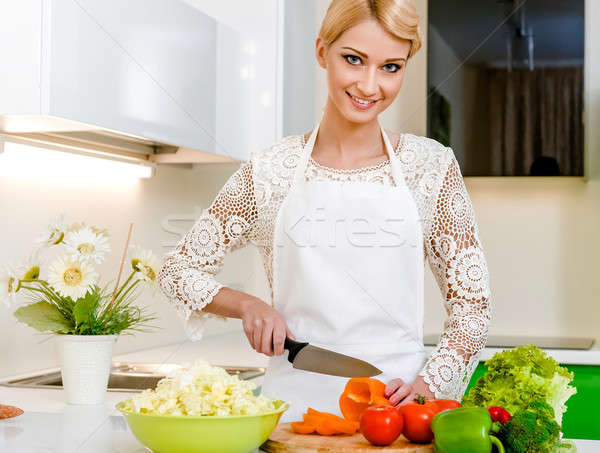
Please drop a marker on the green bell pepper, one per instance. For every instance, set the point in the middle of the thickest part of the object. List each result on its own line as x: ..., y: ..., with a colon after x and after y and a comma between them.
x: 465, y: 429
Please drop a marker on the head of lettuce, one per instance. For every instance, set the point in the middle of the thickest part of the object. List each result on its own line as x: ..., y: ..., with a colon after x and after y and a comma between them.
x: 518, y: 376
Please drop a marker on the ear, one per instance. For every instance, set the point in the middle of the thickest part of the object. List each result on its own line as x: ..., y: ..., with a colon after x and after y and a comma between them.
x: 321, y: 52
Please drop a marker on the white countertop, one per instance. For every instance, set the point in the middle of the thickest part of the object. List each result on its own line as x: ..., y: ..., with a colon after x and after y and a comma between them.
x: 50, y: 425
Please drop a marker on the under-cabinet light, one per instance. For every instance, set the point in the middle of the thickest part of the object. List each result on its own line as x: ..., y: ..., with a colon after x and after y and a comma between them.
x: 70, y: 165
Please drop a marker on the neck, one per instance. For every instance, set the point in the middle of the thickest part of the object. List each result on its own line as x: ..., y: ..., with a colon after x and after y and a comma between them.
x: 348, y: 141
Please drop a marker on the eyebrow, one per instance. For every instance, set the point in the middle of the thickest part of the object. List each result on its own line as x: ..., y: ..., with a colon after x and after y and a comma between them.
x: 366, y: 56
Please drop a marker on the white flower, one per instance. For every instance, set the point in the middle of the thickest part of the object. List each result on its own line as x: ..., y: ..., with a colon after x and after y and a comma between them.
x: 81, y: 225
x: 87, y: 245
x: 8, y: 285
x: 71, y: 277
x: 29, y: 269
x: 100, y: 231
x: 75, y: 227
x: 54, y: 233
x: 146, y: 264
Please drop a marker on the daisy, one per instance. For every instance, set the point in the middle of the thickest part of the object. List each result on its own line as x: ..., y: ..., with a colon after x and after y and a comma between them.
x: 54, y: 233
x: 87, y: 245
x: 75, y: 227
x: 29, y: 269
x: 8, y: 286
x: 100, y: 231
x: 81, y: 225
x: 71, y: 277
x: 145, y: 263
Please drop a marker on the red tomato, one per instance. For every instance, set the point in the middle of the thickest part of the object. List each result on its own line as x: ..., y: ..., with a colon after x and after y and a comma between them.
x: 417, y: 420
x: 381, y: 425
x: 445, y: 405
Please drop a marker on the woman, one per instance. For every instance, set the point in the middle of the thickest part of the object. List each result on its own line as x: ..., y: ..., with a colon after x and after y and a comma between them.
x: 344, y: 219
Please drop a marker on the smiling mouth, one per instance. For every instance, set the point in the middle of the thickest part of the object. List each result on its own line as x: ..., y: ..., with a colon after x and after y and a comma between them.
x: 362, y: 101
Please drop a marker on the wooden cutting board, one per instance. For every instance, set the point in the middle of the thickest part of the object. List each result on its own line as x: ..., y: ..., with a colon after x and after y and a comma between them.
x: 284, y: 440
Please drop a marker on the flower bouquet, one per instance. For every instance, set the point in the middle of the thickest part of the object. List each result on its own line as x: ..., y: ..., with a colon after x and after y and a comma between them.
x: 64, y: 298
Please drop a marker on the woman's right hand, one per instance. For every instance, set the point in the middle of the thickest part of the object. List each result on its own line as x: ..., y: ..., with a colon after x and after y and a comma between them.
x: 265, y: 327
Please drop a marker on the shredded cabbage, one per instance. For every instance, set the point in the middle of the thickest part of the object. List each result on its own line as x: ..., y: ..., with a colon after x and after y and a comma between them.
x: 200, y: 389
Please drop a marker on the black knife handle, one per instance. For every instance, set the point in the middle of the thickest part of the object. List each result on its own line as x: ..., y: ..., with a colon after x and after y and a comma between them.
x: 294, y: 347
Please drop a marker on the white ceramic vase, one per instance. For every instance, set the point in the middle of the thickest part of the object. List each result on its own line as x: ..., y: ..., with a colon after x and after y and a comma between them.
x: 85, y: 362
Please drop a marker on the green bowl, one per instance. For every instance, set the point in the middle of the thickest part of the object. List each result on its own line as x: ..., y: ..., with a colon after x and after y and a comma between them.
x: 203, y: 434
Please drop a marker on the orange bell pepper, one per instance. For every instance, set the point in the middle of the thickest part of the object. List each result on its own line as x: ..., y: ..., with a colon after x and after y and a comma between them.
x: 332, y: 421
x: 302, y: 428
x: 359, y: 394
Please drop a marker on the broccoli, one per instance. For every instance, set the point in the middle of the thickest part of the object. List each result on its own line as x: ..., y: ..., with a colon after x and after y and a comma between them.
x: 542, y: 408
x: 531, y: 430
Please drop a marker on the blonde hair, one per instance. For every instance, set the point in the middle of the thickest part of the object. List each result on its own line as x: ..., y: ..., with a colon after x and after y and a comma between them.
x: 397, y: 17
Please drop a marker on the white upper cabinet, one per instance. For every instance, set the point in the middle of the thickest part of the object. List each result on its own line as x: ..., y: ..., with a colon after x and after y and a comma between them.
x: 170, y: 71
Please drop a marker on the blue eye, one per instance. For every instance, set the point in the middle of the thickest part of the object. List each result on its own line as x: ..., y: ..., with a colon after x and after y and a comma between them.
x: 355, y: 61
x: 348, y: 57
x: 393, y: 64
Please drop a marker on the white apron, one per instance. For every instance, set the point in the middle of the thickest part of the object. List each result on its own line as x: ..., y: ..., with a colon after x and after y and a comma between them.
x: 347, y: 276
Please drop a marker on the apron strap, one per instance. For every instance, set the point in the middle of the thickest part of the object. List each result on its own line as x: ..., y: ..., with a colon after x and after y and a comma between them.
x: 397, y: 175
x: 306, y: 152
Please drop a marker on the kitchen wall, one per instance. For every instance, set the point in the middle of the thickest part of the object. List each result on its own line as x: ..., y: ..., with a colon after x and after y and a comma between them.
x: 29, y: 199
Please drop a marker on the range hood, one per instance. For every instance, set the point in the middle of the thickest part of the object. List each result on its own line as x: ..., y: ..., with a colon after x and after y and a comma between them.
x: 72, y: 136
x: 98, y: 77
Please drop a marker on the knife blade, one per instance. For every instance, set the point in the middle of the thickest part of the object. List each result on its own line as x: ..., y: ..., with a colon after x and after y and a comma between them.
x: 304, y: 356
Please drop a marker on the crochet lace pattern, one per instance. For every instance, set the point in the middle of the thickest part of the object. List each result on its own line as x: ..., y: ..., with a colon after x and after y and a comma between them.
x: 245, y: 210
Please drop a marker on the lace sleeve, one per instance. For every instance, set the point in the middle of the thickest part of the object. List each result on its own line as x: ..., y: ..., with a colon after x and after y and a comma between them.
x: 457, y: 261
x: 187, y: 276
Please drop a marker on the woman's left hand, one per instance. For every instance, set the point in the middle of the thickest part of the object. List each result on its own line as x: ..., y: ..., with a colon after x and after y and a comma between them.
x: 400, y: 392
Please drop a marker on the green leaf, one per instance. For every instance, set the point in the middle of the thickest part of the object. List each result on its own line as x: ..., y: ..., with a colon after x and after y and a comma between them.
x: 84, y: 310
x: 44, y: 317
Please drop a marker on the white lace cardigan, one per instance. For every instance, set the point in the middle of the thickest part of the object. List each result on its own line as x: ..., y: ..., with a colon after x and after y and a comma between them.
x: 245, y: 209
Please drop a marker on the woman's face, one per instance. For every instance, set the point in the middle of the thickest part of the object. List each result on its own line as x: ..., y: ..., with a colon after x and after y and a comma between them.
x: 365, y: 62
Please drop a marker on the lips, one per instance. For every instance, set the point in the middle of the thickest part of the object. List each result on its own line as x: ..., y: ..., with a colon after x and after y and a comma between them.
x: 360, y: 105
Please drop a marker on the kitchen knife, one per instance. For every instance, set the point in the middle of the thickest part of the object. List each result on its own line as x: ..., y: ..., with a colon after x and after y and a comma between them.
x: 305, y: 356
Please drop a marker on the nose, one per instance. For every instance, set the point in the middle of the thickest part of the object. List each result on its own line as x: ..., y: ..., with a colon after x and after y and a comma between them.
x: 367, y: 85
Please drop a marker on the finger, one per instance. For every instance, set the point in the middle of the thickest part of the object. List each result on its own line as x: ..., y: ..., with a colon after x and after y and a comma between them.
x: 400, y: 394
x: 256, y: 337
x: 392, y: 386
x: 278, y: 340
x: 249, y: 336
x: 410, y: 397
x: 267, y: 339
x: 289, y: 333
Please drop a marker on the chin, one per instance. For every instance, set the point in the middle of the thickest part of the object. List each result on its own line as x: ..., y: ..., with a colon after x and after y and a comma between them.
x: 360, y: 117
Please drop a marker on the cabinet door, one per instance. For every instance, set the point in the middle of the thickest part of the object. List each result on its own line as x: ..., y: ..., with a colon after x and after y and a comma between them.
x: 20, y: 57
x: 145, y: 68
x: 249, y: 73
